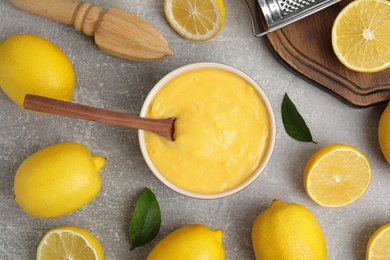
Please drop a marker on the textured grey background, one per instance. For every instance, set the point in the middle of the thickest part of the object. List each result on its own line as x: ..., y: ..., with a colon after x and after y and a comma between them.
x: 121, y: 85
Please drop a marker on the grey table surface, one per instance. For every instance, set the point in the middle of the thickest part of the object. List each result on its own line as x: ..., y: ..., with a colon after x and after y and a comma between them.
x: 121, y: 85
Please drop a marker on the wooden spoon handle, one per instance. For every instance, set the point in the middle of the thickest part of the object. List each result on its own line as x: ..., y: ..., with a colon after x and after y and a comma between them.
x: 68, y: 109
x: 83, y: 16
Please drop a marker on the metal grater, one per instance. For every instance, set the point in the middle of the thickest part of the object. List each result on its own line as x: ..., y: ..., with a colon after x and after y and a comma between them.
x: 279, y: 13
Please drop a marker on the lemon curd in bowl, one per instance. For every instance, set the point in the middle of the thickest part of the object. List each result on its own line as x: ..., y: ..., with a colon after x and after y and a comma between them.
x: 224, y: 131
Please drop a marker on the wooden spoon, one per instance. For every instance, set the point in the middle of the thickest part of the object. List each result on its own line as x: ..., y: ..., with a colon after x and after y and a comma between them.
x: 163, y: 127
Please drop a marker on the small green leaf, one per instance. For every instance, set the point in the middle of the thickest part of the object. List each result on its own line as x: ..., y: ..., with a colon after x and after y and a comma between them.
x: 146, y: 220
x: 293, y: 122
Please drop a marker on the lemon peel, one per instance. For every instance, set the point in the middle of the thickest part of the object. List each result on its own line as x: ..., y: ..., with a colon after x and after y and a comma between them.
x: 193, y: 241
x: 30, y: 64
x: 384, y: 133
x: 57, y: 180
x: 288, y: 231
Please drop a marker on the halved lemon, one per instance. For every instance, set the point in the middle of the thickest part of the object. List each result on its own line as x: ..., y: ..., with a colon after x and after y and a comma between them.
x: 379, y: 243
x: 337, y: 175
x: 197, y: 20
x: 361, y: 35
x: 69, y: 242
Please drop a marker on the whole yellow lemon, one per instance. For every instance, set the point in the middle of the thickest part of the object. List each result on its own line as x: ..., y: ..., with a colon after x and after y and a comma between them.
x: 287, y: 231
x: 384, y: 132
x: 30, y: 64
x: 57, y: 180
x: 191, y: 242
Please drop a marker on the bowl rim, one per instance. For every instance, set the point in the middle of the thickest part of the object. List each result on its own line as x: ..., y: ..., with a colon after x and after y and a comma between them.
x: 272, y: 138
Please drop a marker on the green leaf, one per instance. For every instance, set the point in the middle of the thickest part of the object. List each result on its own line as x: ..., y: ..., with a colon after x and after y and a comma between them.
x: 293, y: 122
x: 146, y: 219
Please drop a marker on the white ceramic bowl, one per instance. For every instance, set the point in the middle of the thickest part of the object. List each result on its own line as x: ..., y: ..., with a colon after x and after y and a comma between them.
x: 262, y: 164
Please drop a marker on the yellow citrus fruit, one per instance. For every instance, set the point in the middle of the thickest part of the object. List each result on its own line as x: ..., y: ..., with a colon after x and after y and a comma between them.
x: 197, y: 20
x: 30, y: 64
x: 361, y: 35
x: 287, y: 231
x: 190, y: 242
x: 69, y: 242
x: 337, y: 175
x: 384, y: 132
x: 379, y: 243
x: 57, y: 180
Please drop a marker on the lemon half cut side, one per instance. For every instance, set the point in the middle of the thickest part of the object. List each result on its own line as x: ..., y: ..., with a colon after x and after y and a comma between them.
x: 196, y: 20
x: 337, y: 175
x: 361, y: 35
x: 379, y: 243
x: 69, y: 242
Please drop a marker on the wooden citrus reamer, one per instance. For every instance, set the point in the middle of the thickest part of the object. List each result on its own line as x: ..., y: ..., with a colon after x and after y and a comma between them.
x: 116, y: 32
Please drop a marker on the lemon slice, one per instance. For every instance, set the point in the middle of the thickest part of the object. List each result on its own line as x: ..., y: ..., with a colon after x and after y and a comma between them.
x: 379, y: 243
x: 361, y: 35
x: 197, y: 20
x: 69, y: 242
x: 337, y: 175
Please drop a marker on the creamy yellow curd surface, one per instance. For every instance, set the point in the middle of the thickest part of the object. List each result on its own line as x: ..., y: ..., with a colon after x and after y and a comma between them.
x: 221, y: 132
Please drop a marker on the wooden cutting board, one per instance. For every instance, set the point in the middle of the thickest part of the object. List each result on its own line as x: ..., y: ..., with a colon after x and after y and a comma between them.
x: 305, y: 48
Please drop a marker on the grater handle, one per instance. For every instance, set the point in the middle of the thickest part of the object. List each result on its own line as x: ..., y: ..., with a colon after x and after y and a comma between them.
x: 258, y: 30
